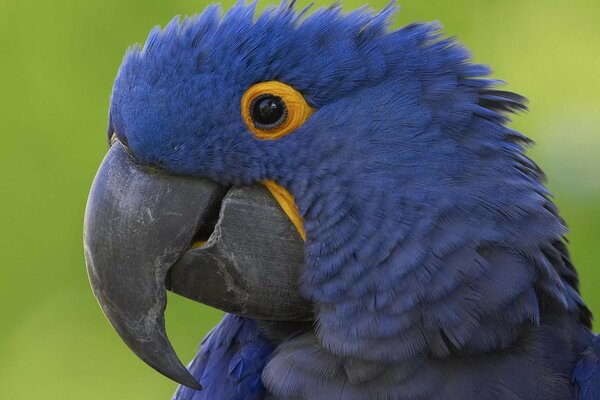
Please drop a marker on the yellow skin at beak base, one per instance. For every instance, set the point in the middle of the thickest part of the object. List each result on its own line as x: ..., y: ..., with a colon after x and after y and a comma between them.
x: 287, y: 203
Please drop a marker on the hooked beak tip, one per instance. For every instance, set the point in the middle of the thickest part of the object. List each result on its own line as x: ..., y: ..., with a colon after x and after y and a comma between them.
x: 135, y: 229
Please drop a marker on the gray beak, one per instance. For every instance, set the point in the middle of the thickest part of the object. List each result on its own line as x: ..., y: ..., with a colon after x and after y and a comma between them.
x: 139, y: 228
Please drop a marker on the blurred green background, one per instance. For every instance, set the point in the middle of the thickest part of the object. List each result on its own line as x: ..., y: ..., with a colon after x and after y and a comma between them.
x: 57, y: 63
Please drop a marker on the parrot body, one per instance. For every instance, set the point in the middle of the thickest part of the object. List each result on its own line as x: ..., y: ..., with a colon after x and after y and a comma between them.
x: 435, y: 263
x: 526, y: 372
x: 232, y: 359
x: 586, y: 376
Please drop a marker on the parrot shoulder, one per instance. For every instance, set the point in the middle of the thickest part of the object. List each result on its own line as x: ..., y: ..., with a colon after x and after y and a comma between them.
x: 229, y: 363
x: 586, y: 375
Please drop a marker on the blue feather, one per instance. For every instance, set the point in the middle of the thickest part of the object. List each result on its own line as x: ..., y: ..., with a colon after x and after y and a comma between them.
x: 230, y: 363
x: 586, y: 375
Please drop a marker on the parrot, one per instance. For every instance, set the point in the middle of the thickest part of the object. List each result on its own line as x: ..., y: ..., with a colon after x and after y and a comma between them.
x: 353, y: 199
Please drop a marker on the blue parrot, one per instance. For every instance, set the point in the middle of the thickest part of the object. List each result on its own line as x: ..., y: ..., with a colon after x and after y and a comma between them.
x: 352, y: 197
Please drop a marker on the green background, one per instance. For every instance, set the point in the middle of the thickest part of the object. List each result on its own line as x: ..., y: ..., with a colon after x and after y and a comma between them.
x: 57, y: 62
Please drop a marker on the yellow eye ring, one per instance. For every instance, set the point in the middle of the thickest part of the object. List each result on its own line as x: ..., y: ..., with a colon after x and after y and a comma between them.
x: 273, y: 109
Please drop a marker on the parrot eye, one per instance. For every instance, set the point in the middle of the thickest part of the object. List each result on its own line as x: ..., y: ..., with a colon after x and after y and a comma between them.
x: 268, y: 111
x: 273, y: 109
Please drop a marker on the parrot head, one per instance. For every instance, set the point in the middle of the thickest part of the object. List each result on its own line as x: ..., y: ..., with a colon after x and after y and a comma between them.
x: 293, y: 166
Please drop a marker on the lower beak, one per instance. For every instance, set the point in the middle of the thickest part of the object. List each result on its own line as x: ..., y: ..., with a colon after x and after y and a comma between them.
x: 139, y: 228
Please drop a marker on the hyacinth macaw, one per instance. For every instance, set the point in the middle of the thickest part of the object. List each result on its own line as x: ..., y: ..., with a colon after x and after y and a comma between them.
x: 352, y: 197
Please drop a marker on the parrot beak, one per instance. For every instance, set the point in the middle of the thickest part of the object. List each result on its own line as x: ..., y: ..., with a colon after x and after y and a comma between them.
x: 139, y: 233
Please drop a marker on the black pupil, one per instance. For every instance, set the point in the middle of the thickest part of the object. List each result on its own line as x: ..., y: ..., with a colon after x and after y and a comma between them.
x: 268, y: 111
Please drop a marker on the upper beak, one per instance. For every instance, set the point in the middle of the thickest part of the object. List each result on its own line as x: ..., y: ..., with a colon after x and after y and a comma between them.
x: 138, y: 231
